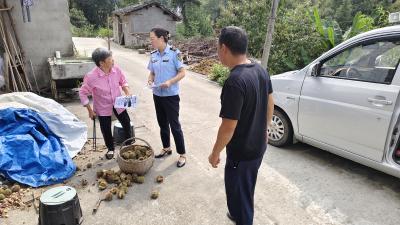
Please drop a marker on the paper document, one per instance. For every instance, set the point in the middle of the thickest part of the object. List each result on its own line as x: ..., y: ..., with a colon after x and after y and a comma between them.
x: 125, y: 102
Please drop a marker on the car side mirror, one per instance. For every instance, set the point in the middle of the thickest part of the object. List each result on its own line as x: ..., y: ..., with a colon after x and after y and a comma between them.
x: 316, y: 69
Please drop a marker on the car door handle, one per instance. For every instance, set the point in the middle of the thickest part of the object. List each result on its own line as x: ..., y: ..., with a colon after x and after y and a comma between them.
x: 380, y: 101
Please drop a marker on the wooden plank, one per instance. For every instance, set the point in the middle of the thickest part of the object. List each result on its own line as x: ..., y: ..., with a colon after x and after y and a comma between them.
x: 6, y: 72
x: 21, y: 63
x: 6, y: 9
x: 13, y: 28
x: 13, y: 63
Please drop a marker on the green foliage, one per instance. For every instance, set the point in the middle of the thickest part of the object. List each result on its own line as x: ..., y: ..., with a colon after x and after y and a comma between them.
x: 90, y: 31
x: 381, y: 16
x: 85, y: 31
x: 343, y: 11
x: 395, y: 7
x: 219, y: 73
x: 251, y: 16
x: 301, y: 33
x: 104, y: 32
x: 361, y: 23
x: 96, y: 11
x: 343, y: 14
x: 296, y: 42
x: 124, y: 3
x: 180, y: 31
x: 198, y: 23
x: 184, y: 5
x: 329, y: 31
x: 77, y: 18
x: 214, y: 8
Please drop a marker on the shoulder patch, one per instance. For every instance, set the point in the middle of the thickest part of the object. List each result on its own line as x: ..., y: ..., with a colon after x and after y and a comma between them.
x: 154, y: 51
x: 179, y: 57
x: 173, y: 48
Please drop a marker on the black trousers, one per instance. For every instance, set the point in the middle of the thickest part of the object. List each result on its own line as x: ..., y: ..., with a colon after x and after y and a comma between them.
x: 240, y: 182
x: 167, y: 110
x: 105, y: 126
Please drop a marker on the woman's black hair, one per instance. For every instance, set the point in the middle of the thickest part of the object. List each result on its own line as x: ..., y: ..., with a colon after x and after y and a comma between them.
x: 100, y: 55
x: 160, y: 32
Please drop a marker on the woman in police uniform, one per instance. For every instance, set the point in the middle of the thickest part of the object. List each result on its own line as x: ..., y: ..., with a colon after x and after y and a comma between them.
x: 166, y: 70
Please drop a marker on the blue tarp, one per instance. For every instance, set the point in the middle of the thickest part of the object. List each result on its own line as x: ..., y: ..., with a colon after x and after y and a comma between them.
x: 29, y: 152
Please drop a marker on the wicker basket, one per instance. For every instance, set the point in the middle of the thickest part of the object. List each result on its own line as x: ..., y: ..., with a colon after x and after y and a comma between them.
x: 134, y: 166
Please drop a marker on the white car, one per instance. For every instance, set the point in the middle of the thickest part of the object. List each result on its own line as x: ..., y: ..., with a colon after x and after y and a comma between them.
x: 346, y: 101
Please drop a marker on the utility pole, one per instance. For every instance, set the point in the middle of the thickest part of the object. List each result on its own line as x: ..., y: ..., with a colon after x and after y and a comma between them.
x: 270, y: 32
x: 108, y: 32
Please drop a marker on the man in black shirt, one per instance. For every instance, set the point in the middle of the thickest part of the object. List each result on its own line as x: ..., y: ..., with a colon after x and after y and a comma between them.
x: 246, y: 108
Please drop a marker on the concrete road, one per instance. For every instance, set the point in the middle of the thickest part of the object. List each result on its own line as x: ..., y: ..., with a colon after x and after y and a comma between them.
x: 299, y: 185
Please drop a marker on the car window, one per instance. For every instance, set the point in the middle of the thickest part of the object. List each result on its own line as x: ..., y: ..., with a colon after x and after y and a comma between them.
x: 373, y: 62
x: 389, y: 58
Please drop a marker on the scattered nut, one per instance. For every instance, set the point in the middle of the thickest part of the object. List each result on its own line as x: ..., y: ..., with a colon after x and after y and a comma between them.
x: 102, y: 184
x: 155, y: 194
x: 139, y: 179
x: 7, y: 192
x: 121, y: 194
x: 129, y: 177
x: 159, y: 179
x: 84, y: 182
x: 114, y: 190
x: 99, y: 173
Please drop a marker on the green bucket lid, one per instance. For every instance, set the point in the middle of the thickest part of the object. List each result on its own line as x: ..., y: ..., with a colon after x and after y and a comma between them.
x: 58, y: 195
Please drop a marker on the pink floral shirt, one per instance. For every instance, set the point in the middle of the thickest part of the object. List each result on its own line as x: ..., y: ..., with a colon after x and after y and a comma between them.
x: 104, y: 89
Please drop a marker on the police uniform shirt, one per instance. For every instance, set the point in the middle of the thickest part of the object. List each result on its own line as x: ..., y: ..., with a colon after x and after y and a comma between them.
x: 165, y: 66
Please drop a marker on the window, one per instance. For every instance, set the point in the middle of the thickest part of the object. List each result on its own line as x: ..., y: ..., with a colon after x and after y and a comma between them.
x: 374, y: 62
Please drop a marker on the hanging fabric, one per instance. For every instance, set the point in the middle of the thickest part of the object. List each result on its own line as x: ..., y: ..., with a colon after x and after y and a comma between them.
x: 26, y: 13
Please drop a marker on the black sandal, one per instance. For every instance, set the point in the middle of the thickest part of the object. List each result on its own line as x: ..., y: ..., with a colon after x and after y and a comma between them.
x: 110, y: 154
x: 164, y: 152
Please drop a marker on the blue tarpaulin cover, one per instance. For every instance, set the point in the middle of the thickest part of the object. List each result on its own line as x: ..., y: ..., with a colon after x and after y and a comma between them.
x: 29, y: 152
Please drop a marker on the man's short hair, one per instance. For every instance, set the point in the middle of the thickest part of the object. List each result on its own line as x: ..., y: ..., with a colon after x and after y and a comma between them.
x: 235, y: 39
x: 100, y: 55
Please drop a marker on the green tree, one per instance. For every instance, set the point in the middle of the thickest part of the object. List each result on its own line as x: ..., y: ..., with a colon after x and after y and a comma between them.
x: 329, y: 30
x: 77, y: 18
x: 296, y: 42
x: 96, y: 11
x: 198, y: 23
x: 344, y: 12
x: 124, y: 3
x: 361, y: 23
x: 251, y: 16
x: 381, y: 17
x: 395, y: 7
x: 214, y: 8
x: 184, y: 5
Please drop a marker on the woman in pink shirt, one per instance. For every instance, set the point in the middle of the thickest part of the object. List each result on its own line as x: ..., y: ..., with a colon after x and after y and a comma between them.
x: 104, y: 84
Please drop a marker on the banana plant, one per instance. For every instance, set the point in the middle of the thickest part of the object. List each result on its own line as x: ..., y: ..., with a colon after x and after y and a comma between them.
x: 329, y: 31
x: 361, y: 23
